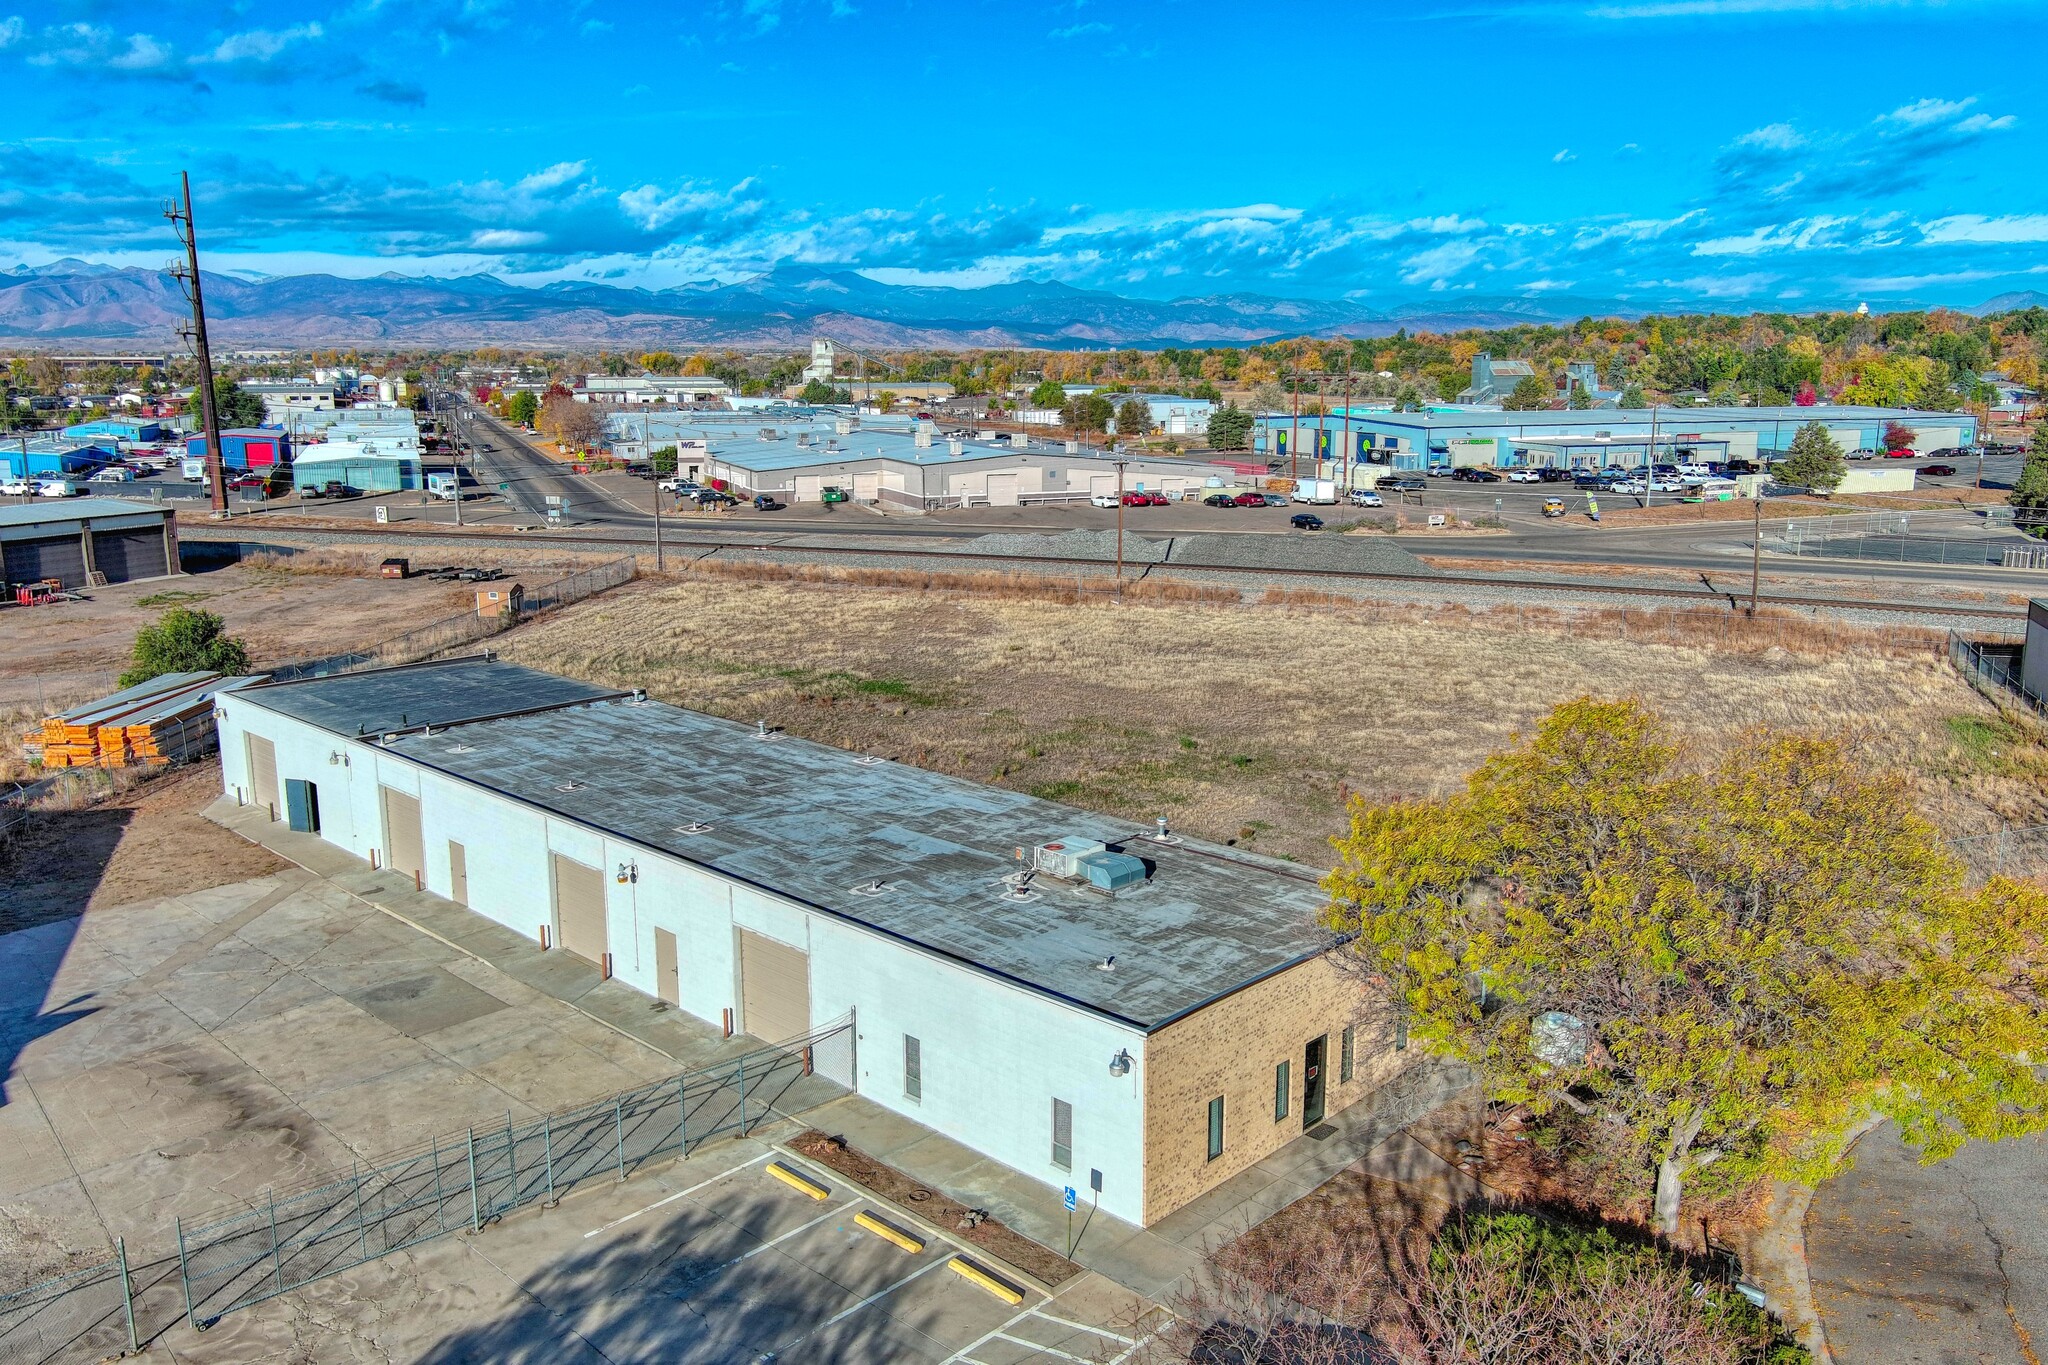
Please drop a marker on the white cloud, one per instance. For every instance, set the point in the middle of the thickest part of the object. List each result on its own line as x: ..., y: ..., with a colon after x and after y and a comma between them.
x: 1564, y: 155
x: 1921, y: 113
x: 554, y: 177
x: 1438, y: 263
x: 261, y: 44
x: 2008, y: 229
x: 505, y: 239
x: 1773, y: 137
x: 1079, y: 30
x: 11, y: 29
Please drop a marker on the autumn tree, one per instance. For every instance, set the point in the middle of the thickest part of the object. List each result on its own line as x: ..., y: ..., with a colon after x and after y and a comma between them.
x: 1814, y: 461
x: 660, y: 362
x: 1899, y: 436
x: 571, y: 423
x: 1704, y: 970
x: 1269, y: 397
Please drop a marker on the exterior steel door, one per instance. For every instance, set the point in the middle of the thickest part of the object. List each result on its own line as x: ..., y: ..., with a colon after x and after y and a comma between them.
x: 302, y: 805
x: 60, y: 557
x: 668, y: 980
x: 458, y: 873
x: 579, y: 909
x: 404, y: 850
x: 125, y: 555
x: 775, y: 988
x: 1312, y: 1086
x: 1002, y: 490
x: 263, y: 772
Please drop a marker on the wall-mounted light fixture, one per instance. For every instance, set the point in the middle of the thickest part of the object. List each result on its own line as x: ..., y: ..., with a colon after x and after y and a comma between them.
x: 1120, y: 1065
x: 628, y: 872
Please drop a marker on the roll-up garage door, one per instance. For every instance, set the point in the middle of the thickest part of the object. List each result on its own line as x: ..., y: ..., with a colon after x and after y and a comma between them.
x: 775, y: 988
x: 809, y: 488
x: 1101, y: 483
x: 404, y: 849
x: 1002, y: 490
x: 867, y: 487
x: 126, y: 555
x: 579, y: 908
x: 58, y: 557
x: 262, y: 771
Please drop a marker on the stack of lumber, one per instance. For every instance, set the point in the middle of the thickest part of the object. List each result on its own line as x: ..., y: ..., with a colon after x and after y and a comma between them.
x: 168, y: 719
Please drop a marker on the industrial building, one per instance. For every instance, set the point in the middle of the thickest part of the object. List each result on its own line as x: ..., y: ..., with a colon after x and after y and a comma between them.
x: 260, y: 448
x: 651, y: 388
x: 906, y: 464
x: 52, y: 457
x: 282, y: 398
x: 1093, y: 1004
x: 127, y: 430
x: 373, y: 450
x: 1567, y: 439
x: 81, y: 542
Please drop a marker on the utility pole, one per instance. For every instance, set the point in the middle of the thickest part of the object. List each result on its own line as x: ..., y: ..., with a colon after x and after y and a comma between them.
x: 646, y: 448
x: 1650, y: 461
x: 1120, y: 530
x: 1756, y: 543
x: 1349, y: 465
x: 1294, y: 439
x: 180, y: 215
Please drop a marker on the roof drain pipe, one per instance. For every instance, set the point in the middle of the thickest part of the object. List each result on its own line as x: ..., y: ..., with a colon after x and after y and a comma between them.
x: 1160, y: 834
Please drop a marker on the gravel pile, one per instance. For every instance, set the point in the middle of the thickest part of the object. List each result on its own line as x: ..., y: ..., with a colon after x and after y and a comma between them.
x: 1069, y: 545
x: 1345, y: 554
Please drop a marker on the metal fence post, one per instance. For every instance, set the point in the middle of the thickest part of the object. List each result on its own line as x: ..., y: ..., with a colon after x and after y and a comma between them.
x: 440, y: 1219
x: 362, y: 1224
x: 682, y: 1114
x: 127, y: 1292
x: 619, y: 1132
x: 276, y: 1261
x: 743, y: 1096
x: 185, y: 1278
x: 476, y: 1217
x: 547, y: 1154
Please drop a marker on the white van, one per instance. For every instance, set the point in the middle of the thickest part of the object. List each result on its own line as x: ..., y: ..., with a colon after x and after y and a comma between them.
x: 59, y: 488
x: 446, y: 487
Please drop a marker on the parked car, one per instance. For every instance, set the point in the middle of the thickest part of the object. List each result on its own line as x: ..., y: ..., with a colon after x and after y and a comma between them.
x: 1305, y: 521
x: 764, y: 503
x: 1219, y: 500
x: 1939, y: 471
x: 1276, y: 499
x: 248, y: 481
x: 1474, y: 475
x: 17, y: 488
x: 1103, y: 500
x: 711, y: 497
x: 59, y: 488
x: 1439, y: 471
x: 1549, y: 475
x: 1590, y: 478
x: 1553, y: 507
x: 1525, y: 476
x: 1404, y: 483
x: 1946, y: 453
x: 1862, y: 453
x: 1365, y: 497
x: 1250, y: 499
x: 112, y: 475
x: 1156, y: 499
x: 1137, y: 499
x: 1906, y: 453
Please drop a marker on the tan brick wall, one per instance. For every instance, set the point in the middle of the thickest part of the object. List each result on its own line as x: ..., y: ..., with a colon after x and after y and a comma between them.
x: 1230, y: 1049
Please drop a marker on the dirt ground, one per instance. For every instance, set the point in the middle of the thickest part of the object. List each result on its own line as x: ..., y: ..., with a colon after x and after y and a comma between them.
x: 136, y: 842
x: 1250, y: 723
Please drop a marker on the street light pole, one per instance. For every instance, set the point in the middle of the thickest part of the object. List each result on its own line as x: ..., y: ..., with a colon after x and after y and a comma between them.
x: 647, y: 449
x: 1120, y: 530
x: 1756, y: 543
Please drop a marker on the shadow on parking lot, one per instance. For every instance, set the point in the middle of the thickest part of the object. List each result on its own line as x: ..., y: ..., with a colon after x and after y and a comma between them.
x: 682, y: 1292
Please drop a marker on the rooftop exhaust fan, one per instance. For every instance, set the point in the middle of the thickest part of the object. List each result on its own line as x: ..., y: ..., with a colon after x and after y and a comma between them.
x: 694, y: 827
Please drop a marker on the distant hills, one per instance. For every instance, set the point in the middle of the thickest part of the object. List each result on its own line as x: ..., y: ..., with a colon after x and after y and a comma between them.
x: 70, y: 302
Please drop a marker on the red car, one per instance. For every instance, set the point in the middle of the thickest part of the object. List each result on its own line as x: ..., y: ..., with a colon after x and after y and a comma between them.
x: 1137, y: 499
x: 1250, y: 499
x: 1939, y: 471
x: 249, y: 481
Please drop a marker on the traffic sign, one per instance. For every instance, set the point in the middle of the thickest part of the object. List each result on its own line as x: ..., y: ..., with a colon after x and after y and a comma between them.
x: 1071, y: 1198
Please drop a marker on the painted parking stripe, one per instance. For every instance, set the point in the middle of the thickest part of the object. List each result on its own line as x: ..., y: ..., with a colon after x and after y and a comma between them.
x: 1042, y: 1348
x: 1116, y: 1337
x: 964, y: 1354
x: 845, y: 1313
x: 679, y: 1194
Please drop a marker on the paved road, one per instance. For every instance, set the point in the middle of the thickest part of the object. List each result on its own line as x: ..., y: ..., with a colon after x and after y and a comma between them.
x: 1933, y: 1265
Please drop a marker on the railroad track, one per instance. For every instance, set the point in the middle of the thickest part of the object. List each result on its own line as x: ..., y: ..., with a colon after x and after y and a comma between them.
x: 644, y: 545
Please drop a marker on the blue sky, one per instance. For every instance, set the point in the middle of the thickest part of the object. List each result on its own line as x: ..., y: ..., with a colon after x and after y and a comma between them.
x: 1775, y: 153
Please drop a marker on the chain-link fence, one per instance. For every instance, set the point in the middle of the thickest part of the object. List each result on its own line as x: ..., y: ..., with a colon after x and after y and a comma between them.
x: 437, y: 637
x: 87, y: 1314
x: 292, y: 1239
x: 1993, y: 667
x: 2005, y: 852
x: 1928, y: 537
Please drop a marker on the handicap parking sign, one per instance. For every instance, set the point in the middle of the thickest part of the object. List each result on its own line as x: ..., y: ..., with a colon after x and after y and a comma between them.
x: 1070, y: 1198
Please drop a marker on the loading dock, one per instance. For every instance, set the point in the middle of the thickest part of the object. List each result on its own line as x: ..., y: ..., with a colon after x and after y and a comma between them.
x: 85, y: 542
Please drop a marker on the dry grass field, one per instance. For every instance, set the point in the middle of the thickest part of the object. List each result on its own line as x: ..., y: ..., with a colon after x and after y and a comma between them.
x: 1250, y: 722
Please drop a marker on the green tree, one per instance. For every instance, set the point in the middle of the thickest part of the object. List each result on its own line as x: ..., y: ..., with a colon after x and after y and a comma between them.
x: 523, y: 407
x: 1230, y: 428
x: 818, y: 391
x: 185, y: 641
x: 663, y: 459
x: 233, y: 406
x: 2030, y: 490
x: 1269, y: 397
x: 1087, y: 412
x: 1528, y: 394
x: 660, y: 362
x: 1579, y: 398
x: 1133, y: 419
x: 1048, y: 394
x: 1701, y: 972
x: 1409, y: 399
x: 1632, y: 397
x: 1814, y: 460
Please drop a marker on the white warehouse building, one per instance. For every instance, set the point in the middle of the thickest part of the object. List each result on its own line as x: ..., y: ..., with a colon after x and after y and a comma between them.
x: 1148, y: 1015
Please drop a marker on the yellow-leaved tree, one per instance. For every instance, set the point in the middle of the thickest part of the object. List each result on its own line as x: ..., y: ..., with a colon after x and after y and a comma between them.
x: 1714, y: 969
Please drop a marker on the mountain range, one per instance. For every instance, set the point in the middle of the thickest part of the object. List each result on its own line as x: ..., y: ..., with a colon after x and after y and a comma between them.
x: 69, y: 302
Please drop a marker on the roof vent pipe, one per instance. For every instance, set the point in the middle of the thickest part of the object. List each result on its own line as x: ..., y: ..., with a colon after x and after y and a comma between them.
x: 1159, y: 827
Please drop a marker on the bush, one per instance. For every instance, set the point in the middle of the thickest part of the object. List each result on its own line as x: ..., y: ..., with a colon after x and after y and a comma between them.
x: 185, y: 641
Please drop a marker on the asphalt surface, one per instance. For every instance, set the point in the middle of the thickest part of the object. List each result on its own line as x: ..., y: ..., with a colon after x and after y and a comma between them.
x: 1933, y: 1265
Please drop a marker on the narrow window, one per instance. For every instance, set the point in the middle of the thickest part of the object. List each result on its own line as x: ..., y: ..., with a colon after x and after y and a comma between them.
x: 913, y: 1068
x: 1063, y: 1135
x: 1280, y: 1092
x: 1215, y: 1128
x: 1345, y: 1066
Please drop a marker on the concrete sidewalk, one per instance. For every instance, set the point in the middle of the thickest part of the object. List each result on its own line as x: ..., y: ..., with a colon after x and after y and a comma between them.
x: 1153, y: 1262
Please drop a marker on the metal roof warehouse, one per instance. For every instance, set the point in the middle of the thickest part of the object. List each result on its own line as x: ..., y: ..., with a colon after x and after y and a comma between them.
x: 784, y: 884
x: 81, y: 542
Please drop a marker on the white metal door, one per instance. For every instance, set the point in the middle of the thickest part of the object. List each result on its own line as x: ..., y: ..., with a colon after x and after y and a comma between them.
x: 404, y: 850
x: 867, y: 487
x: 1002, y: 490
x: 262, y: 771
x: 668, y: 983
x: 458, y: 873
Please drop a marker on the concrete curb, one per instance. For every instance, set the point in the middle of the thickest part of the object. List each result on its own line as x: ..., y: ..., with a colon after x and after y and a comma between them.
x: 973, y: 1251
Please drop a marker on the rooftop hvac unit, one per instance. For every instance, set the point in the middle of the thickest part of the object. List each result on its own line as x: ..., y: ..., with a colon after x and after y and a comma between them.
x: 844, y: 426
x: 922, y: 437
x: 956, y: 447
x: 767, y: 433
x: 1089, y: 862
x: 1062, y: 858
x: 803, y: 438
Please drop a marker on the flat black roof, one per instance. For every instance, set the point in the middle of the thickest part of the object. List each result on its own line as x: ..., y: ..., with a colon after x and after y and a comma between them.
x: 813, y: 823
